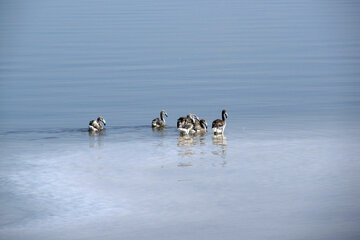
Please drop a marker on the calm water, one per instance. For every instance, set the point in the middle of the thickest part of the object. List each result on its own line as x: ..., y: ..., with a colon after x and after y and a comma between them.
x: 287, y: 73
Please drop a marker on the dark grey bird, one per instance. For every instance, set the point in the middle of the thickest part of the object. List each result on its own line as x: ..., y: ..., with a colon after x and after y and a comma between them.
x: 218, y: 126
x: 95, y: 125
x: 159, y: 122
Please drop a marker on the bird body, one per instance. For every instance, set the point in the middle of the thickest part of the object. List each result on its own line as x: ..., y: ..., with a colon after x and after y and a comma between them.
x: 95, y: 125
x: 200, y: 126
x: 159, y: 122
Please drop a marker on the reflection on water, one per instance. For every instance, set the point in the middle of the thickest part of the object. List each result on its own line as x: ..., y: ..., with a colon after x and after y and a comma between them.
x: 185, y: 141
x: 202, y: 139
x: 185, y: 144
x: 158, y: 130
x: 184, y: 164
x: 220, y: 141
x: 194, y: 150
x: 96, y: 139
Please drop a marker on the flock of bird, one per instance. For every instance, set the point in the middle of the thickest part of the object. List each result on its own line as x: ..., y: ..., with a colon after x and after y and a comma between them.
x: 191, y: 124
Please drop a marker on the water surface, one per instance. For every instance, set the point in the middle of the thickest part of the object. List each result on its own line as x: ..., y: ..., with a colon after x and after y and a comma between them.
x: 287, y: 73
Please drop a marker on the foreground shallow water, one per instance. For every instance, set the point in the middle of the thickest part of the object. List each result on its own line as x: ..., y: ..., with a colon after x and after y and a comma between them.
x: 136, y: 183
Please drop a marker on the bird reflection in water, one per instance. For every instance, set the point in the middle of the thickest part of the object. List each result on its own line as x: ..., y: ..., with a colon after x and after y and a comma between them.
x: 160, y: 133
x: 188, y: 151
x: 96, y: 139
x: 220, y: 141
x: 185, y: 144
x: 190, y: 141
x: 158, y: 130
x: 186, y: 141
x: 202, y: 139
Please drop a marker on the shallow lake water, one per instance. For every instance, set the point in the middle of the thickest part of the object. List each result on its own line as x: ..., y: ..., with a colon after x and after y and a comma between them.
x: 287, y: 166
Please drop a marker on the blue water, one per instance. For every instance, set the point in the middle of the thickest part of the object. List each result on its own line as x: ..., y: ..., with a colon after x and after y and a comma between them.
x: 287, y: 73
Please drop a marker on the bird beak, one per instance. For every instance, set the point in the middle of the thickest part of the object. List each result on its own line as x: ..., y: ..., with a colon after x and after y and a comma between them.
x: 226, y: 115
x: 104, y: 122
x: 166, y: 115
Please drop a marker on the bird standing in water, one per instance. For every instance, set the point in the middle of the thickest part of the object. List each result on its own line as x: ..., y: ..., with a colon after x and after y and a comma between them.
x: 159, y: 122
x: 218, y: 125
x: 95, y: 125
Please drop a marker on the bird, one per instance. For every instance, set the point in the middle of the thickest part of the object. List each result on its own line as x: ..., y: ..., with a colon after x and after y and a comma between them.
x: 200, y: 126
x: 95, y: 125
x: 186, y: 124
x: 159, y: 122
x: 218, y: 126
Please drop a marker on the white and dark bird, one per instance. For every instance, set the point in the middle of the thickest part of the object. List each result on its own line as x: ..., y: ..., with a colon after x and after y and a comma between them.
x: 159, y: 122
x: 218, y: 125
x: 186, y: 124
x: 200, y: 126
x: 96, y: 125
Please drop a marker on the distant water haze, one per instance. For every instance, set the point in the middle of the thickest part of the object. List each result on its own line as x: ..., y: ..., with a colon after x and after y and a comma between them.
x: 287, y: 72
x: 63, y: 63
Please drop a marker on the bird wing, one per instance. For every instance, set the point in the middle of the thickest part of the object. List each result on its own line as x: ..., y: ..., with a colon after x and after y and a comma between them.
x: 94, y: 124
x: 217, y: 123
